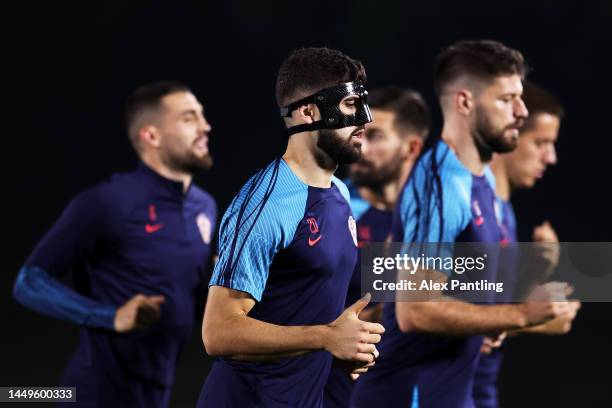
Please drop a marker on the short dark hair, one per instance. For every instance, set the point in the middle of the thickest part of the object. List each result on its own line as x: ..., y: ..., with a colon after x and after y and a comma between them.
x: 411, y: 111
x: 148, y: 97
x: 308, y: 70
x: 539, y: 100
x: 482, y: 59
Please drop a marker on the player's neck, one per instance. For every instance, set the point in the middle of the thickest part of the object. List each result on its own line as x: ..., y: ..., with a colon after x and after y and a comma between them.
x: 301, y: 159
x: 385, y: 197
x: 502, y: 181
x: 155, y: 164
x: 456, y: 134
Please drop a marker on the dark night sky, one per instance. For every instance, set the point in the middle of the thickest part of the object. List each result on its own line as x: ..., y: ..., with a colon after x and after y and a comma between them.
x: 71, y: 67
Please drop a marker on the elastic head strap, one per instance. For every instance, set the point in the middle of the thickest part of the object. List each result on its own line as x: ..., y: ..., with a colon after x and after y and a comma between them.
x: 286, y: 111
x: 304, y: 127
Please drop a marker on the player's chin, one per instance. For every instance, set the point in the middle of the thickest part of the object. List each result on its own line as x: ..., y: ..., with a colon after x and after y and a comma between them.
x: 204, y: 162
x: 528, y: 181
x: 506, y: 144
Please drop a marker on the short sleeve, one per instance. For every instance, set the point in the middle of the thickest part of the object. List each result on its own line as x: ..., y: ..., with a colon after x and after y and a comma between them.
x: 261, y: 220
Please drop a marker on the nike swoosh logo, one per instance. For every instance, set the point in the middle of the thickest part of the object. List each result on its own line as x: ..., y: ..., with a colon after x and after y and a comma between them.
x: 313, y: 242
x: 151, y: 228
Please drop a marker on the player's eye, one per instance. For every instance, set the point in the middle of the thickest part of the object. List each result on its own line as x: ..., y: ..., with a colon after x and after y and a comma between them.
x: 540, y: 143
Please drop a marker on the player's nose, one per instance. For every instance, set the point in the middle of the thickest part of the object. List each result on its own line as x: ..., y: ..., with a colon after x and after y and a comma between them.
x: 520, y: 110
x: 204, y: 125
x: 550, y: 155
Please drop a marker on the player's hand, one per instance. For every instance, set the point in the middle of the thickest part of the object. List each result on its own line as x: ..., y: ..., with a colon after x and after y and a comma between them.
x: 355, y: 369
x: 492, y: 342
x: 563, y: 323
x: 138, y: 313
x: 362, y: 369
x: 546, y: 243
x: 545, y: 233
x: 353, y: 339
x: 546, y: 302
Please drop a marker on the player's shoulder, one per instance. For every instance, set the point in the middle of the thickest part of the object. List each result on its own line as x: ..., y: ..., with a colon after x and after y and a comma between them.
x: 202, y: 198
x: 273, y: 201
x: 440, y: 168
x: 343, y: 188
x: 439, y: 185
x: 116, y: 194
x: 277, y: 185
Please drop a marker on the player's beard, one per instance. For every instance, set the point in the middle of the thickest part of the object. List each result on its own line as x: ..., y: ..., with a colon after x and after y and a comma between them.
x: 339, y: 150
x: 188, y: 162
x: 377, y: 178
x: 490, y: 139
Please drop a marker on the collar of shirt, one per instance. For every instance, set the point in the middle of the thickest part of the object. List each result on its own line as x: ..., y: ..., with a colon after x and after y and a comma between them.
x: 175, y: 188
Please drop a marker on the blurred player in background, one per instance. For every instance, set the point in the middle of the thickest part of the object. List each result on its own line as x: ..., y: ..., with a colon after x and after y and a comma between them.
x: 431, y: 349
x: 520, y: 169
x: 393, y: 141
x: 142, y: 243
x: 288, y: 248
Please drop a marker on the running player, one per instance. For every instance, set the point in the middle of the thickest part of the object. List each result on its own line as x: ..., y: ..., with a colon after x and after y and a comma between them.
x: 142, y: 242
x: 394, y: 140
x: 287, y: 249
x: 449, y: 197
x: 519, y: 169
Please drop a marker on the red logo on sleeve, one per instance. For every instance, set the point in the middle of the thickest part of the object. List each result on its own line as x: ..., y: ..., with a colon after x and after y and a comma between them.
x: 314, y: 231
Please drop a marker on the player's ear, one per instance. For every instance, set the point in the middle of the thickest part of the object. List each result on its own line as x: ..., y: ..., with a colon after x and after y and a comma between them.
x: 416, y: 146
x: 149, y: 135
x: 308, y: 113
x: 464, y: 102
x: 411, y: 148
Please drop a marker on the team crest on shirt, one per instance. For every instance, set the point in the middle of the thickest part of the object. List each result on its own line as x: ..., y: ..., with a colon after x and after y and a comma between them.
x: 353, y: 228
x: 205, y: 227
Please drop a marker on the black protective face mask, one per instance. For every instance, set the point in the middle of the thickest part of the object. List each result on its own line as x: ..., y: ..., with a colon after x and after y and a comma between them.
x: 328, y: 102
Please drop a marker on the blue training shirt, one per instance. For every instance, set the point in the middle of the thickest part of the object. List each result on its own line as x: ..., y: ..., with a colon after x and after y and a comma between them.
x: 292, y: 248
x: 489, y: 366
x: 137, y: 232
x: 417, y: 369
x: 373, y: 225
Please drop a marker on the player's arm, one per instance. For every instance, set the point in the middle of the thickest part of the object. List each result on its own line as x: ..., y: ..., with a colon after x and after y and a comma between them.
x: 68, y: 243
x: 228, y: 331
x: 454, y: 317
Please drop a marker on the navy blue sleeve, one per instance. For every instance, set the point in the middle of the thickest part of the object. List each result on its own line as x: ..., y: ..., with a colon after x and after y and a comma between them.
x: 67, y: 244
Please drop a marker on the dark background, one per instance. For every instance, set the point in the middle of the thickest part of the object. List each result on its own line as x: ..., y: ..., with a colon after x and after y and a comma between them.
x: 70, y: 67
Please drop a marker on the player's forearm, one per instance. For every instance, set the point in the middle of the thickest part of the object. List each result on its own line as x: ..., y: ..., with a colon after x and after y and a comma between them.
x: 558, y: 326
x: 244, y: 338
x: 37, y: 290
x: 458, y: 318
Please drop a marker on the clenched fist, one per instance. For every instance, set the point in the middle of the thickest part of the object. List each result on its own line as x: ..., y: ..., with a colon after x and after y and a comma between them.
x: 138, y: 313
